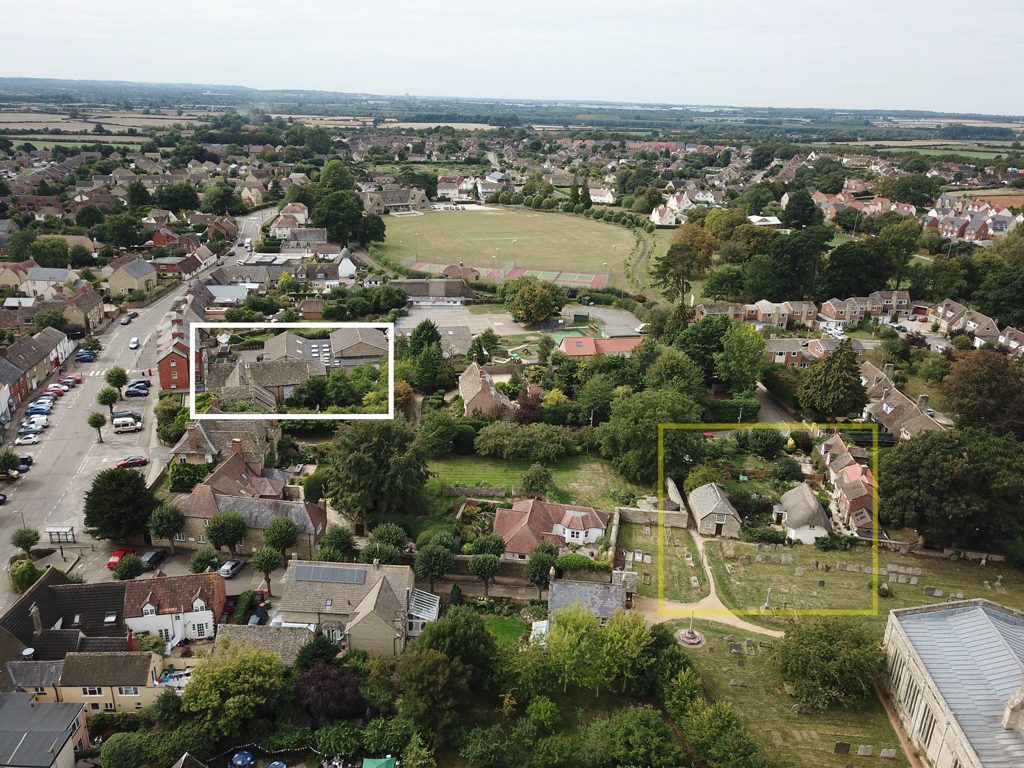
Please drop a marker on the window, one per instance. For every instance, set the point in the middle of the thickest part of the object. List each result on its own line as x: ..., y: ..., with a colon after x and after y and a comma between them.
x: 165, y: 634
x: 92, y: 691
x: 206, y: 523
x: 94, y: 706
x: 127, y: 690
x: 202, y: 539
x: 926, y: 727
x: 40, y: 690
x: 201, y: 630
x: 719, y: 518
x: 910, y: 698
x: 148, y: 610
x: 179, y: 537
x: 108, y: 706
x: 174, y: 363
x: 174, y: 374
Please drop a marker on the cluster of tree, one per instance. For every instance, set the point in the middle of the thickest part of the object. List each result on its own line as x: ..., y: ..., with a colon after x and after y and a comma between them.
x: 421, y: 362
x: 335, y: 205
x: 531, y: 300
x: 345, y: 305
x: 342, y: 389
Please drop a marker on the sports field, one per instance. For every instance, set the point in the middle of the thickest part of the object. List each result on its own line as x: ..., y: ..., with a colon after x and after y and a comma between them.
x: 571, y: 250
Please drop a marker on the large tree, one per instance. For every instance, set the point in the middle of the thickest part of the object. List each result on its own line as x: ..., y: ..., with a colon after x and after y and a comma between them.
x: 741, y: 358
x: 831, y: 386
x: 227, y: 529
x: 433, y: 562
x: 461, y: 634
x: 166, y: 522
x: 376, y: 468
x: 281, y: 534
x: 108, y: 396
x: 901, y: 241
x: 790, y: 267
x: 423, y: 335
x: 266, y: 560
x: 986, y: 389
x: 341, y: 213
x: 235, y: 687
x: 530, y: 299
x: 999, y: 295
x: 539, y: 564
x: 329, y: 692
x: 484, y: 567
x: 830, y: 662
x: 435, y: 688
x: 702, y: 340
x: 221, y: 198
x: 675, y: 371
x: 801, y: 211
x: 630, y: 437
x: 855, y: 268
x: 674, y: 269
x: 957, y: 488
x: 118, y: 505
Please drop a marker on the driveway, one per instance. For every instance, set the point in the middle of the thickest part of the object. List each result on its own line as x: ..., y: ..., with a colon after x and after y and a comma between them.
x: 499, y: 322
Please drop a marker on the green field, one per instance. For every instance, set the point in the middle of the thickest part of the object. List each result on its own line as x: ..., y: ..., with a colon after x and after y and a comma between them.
x: 792, y: 741
x: 585, y: 479
x: 745, y: 586
x: 483, y: 239
x: 506, y: 629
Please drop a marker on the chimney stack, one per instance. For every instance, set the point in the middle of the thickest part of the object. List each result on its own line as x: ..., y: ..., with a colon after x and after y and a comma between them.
x: 885, y: 392
x: 37, y: 620
x: 922, y: 401
x: 193, y: 437
x: 236, y: 446
x: 376, y: 563
x: 887, y: 370
x: 1013, y: 715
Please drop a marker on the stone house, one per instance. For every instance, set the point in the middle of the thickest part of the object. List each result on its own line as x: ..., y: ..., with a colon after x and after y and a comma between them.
x: 480, y: 396
x: 137, y: 275
x: 712, y: 512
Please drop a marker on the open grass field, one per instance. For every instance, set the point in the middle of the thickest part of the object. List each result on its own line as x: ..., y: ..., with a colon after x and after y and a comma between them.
x: 484, y: 239
x: 745, y: 586
x: 677, y: 573
x: 506, y: 629
x: 585, y: 479
x: 792, y: 741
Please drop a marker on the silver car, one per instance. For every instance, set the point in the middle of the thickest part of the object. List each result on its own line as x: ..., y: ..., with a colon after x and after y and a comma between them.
x: 231, y: 567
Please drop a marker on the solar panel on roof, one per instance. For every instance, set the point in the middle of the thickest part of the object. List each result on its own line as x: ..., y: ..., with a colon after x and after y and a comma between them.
x: 330, y: 575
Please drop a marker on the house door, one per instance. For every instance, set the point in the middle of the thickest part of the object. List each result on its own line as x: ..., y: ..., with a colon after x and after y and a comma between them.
x: 718, y: 529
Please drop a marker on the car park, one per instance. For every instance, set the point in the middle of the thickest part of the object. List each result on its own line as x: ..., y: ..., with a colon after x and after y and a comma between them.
x: 27, y: 440
x: 231, y: 567
x: 133, y: 343
x: 133, y: 461
x: 151, y: 558
x: 117, y: 556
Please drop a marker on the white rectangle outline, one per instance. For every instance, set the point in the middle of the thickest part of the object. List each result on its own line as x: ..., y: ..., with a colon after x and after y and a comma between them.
x: 248, y: 416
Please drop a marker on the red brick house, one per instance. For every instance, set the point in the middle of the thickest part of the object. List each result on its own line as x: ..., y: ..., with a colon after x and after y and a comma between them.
x: 173, y: 366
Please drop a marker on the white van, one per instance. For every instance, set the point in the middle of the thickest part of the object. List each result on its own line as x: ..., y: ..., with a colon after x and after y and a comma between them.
x: 122, y: 424
x: 248, y: 243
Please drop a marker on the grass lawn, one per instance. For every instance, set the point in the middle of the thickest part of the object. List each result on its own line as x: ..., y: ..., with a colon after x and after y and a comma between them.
x: 544, y: 240
x: 790, y: 741
x: 745, y: 586
x: 586, y: 479
x: 506, y: 629
x: 485, y: 309
x: 840, y: 238
x: 916, y: 386
x: 677, y: 573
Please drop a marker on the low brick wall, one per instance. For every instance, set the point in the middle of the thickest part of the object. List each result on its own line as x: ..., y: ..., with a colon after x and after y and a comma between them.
x: 650, y: 517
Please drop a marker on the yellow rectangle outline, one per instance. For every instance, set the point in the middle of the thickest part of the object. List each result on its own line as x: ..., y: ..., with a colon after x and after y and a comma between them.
x: 790, y: 426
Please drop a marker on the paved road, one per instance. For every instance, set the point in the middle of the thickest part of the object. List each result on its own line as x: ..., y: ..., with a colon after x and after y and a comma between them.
x: 69, y: 455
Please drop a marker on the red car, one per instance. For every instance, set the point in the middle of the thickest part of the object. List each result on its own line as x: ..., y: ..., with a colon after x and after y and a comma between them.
x: 76, y: 376
x: 116, y: 557
x: 54, y: 391
x: 133, y: 461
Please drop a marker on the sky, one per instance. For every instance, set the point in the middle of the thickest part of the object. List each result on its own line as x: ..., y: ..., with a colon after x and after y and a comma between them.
x: 865, y: 54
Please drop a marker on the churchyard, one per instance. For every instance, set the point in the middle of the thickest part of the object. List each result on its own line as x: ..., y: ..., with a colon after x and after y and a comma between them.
x: 738, y: 671
x: 805, y: 578
x: 681, y: 561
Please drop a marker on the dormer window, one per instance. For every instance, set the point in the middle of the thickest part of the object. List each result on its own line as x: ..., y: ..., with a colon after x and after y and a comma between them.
x: 149, y: 610
x: 198, y: 605
x: 888, y: 407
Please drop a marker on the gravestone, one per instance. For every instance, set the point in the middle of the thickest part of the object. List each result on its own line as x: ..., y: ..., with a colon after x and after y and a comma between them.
x: 638, y: 555
x: 821, y: 583
x: 760, y: 547
x: 902, y: 579
x: 738, y: 683
x: 939, y: 593
x: 629, y: 557
x: 647, y: 578
x: 799, y: 571
x: 798, y: 709
x: 750, y: 646
x: 735, y: 648
x: 892, y: 578
x: 930, y: 591
x: 917, y: 571
x: 865, y: 750
x: 647, y: 529
x: 787, y: 559
x: 695, y: 582
x: 959, y: 595
x: 888, y: 753
x: 842, y: 748
x: 999, y: 580
x: 913, y: 581
x: 741, y: 662
x: 759, y: 558
x: 647, y: 559
x: 904, y: 550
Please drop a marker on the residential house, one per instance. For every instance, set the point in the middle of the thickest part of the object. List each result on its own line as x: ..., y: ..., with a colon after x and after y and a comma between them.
x: 949, y: 315
x: 297, y: 211
x: 733, y: 311
x: 318, y: 276
x: 13, y: 389
x: 374, y: 608
x: 981, y: 328
x: 955, y: 680
x: 345, y: 348
x: 461, y: 272
x: 426, y: 291
x: 772, y: 222
x: 83, y: 307
x: 40, y: 734
x: 836, y: 314
x: 455, y: 341
x: 588, y: 346
x: 791, y: 352
x: 59, y: 346
x: 897, y: 413
x: 712, y: 512
x: 186, y: 266
x: 44, y: 282
x: 136, y: 275
x: 283, y: 225
x: 311, y: 309
x: 109, y: 681
x: 278, y: 377
x: 801, y: 312
x: 392, y: 198
x: 602, y: 195
x: 480, y: 396
x: 173, y: 365
x: 7, y: 228
x: 209, y: 440
x: 35, y: 355
x: 176, y: 608
x: 531, y: 521
x: 14, y: 273
x: 663, y: 216
x: 1011, y: 341
x: 308, y: 236
x: 889, y: 304
x: 600, y: 599
x: 801, y: 515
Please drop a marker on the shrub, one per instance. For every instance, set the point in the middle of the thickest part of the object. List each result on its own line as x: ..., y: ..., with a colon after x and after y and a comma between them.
x: 575, y: 562
x: 832, y: 542
x: 786, y: 469
x: 535, y: 442
x: 23, y: 575
x: 242, y: 608
x: 702, y: 474
x: 342, y: 738
x: 764, y: 442
x: 763, y: 533
x: 388, y: 735
x: 185, y: 477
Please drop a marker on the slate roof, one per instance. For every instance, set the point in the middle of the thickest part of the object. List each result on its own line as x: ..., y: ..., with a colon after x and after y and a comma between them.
x: 138, y: 268
x: 284, y: 642
x: 49, y: 274
x: 275, y: 373
x: 710, y: 499
x: 9, y: 372
x: 130, y: 668
x: 974, y: 652
x: 344, y: 338
x: 258, y: 513
x: 437, y: 288
x: 35, y: 674
x: 234, y: 478
x: 378, y: 593
x: 30, y: 730
x: 601, y: 600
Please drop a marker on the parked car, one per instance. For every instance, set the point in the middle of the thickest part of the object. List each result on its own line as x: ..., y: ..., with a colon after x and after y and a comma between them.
x: 231, y: 567
x: 151, y: 558
x: 27, y: 440
x: 133, y: 315
x: 23, y: 468
x: 126, y: 415
x: 241, y: 243
x: 136, y: 392
x: 126, y: 320
x: 3, y: 499
x: 31, y: 429
x: 85, y: 358
x: 33, y: 410
x: 139, y: 383
x: 76, y: 376
x: 56, y: 389
x: 133, y: 343
x: 116, y: 557
x: 26, y: 459
x: 36, y: 418
x: 133, y: 461
x: 922, y: 319
x: 220, y: 262
x: 68, y: 382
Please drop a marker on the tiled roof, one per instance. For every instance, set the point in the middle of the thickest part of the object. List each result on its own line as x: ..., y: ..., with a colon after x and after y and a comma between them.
x: 344, y: 338
x: 601, y: 600
x: 131, y: 668
x: 530, y: 521
x: 285, y: 642
x: 710, y: 499
x: 35, y: 674
x: 312, y: 595
x: 175, y: 594
x: 234, y: 478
